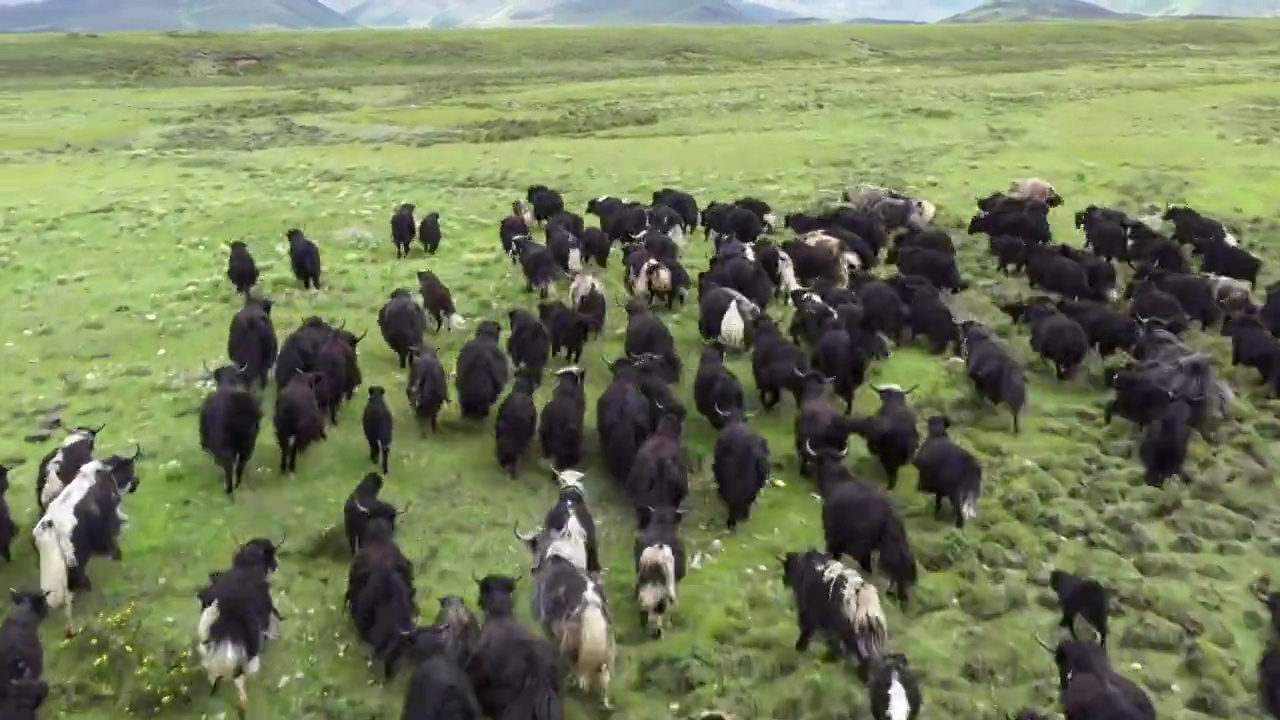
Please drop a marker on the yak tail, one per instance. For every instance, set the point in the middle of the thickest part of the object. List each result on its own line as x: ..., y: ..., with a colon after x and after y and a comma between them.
x: 595, y: 646
x: 660, y: 559
x: 869, y: 624
x: 227, y: 659
x: 678, y: 235
x: 208, y: 617
x: 969, y: 504
x: 53, y: 564
x: 575, y: 260
x: 456, y: 321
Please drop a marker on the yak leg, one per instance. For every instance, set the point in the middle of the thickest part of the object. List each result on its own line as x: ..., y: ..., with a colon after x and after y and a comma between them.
x: 242, y: 461
x: 242, y: 697
x: 70, y: 630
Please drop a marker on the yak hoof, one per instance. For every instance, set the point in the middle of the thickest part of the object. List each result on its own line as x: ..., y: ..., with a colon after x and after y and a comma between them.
x: 70, y: 631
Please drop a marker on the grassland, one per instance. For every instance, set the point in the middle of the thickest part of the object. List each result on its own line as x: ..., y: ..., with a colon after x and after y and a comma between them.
x: 127, y: 163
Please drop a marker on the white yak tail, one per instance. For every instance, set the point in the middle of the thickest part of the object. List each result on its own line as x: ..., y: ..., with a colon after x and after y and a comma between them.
x: 662, y: 559
x: 595, y: 647
x: 869, y: 624
x: 969, y: 505
x: 53, y: 565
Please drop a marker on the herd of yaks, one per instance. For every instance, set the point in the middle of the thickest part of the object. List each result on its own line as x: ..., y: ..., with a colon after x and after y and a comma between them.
x: 843, y: 319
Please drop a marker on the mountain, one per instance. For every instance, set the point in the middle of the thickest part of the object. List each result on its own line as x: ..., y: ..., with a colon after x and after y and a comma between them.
x: 164, y: 15
x: 1036, y: 11
x: 493, y: 13
x: 1220, y: 8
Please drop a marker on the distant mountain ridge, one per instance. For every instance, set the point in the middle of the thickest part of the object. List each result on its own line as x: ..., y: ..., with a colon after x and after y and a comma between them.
x: 231, y: 15
x: 165, y: 15
x: 1037, y: 11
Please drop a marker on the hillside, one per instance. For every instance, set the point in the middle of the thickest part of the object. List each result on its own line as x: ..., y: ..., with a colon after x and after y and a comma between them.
x: 1036, y: 11
x: 163, y: 15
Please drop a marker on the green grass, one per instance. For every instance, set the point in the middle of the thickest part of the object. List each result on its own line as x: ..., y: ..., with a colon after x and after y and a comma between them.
x: 129, y: 162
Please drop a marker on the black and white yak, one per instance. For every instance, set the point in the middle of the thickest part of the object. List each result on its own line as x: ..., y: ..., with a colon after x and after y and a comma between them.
x: 59, y: 466
x: 894, y: 690
x: 660, y: 566
x: 835, y: 600
x: 84, y: 521
x: 236, y: 615
x: 568, y: 598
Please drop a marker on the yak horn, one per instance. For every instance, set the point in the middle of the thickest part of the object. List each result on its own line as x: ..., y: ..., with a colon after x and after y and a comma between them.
x: 845, y: 451
x: 361, y: 507
x: 242, y: 368
x: 405, y: 510
x: 474, y: 578
x: 515, y: 530
x: 137, y: 453
x: 913, y: 389
x: 722, y: 413
x: 362, y: 336
x: 1044, y: 645
x: 93, y: 431
x: 809, y: 449
x: 799, y: 373
x: 205, y: 365
x: 283, y: 537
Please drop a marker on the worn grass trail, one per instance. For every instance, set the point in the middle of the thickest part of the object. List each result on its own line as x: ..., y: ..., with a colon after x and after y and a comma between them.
x: 128, y: 163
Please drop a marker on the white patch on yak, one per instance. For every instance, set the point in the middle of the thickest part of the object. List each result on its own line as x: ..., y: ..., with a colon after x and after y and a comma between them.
x: 571, y: 479
x: 575, y: 261
x: 732, y: 329
x: 592, y: 651
x: 455, y: 321
x: 678, y: 235
x: 852, y: 260
x: 662, y: 559
x: 52, y: 483
x: 771, y: 220
x: 832, y: 572
x: 1229, y: 238
x: 787, y: 272
x: 224, y: 658
x: 582, y: 286
x: 899, y: 705
x: 570, y: 543
x: 53, y: 565
x: 896, y: 388
x: 749, y: 253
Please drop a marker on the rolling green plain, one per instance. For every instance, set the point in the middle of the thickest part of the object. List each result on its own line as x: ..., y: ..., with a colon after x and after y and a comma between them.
x: 127, y: 163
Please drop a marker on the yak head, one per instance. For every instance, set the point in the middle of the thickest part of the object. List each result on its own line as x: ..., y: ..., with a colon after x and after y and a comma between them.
x: 34, y: 602
x: 231, y: 377
x: 295, y: 235
x: 259, y: 552
x: 462, y: 628
x: 572, y: 375
x: 893, y: 395
x: 1076, y: 657
x: 123, y: 472
x: 496, y: 594
x: 938, y: 425
x: 489, y: 330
